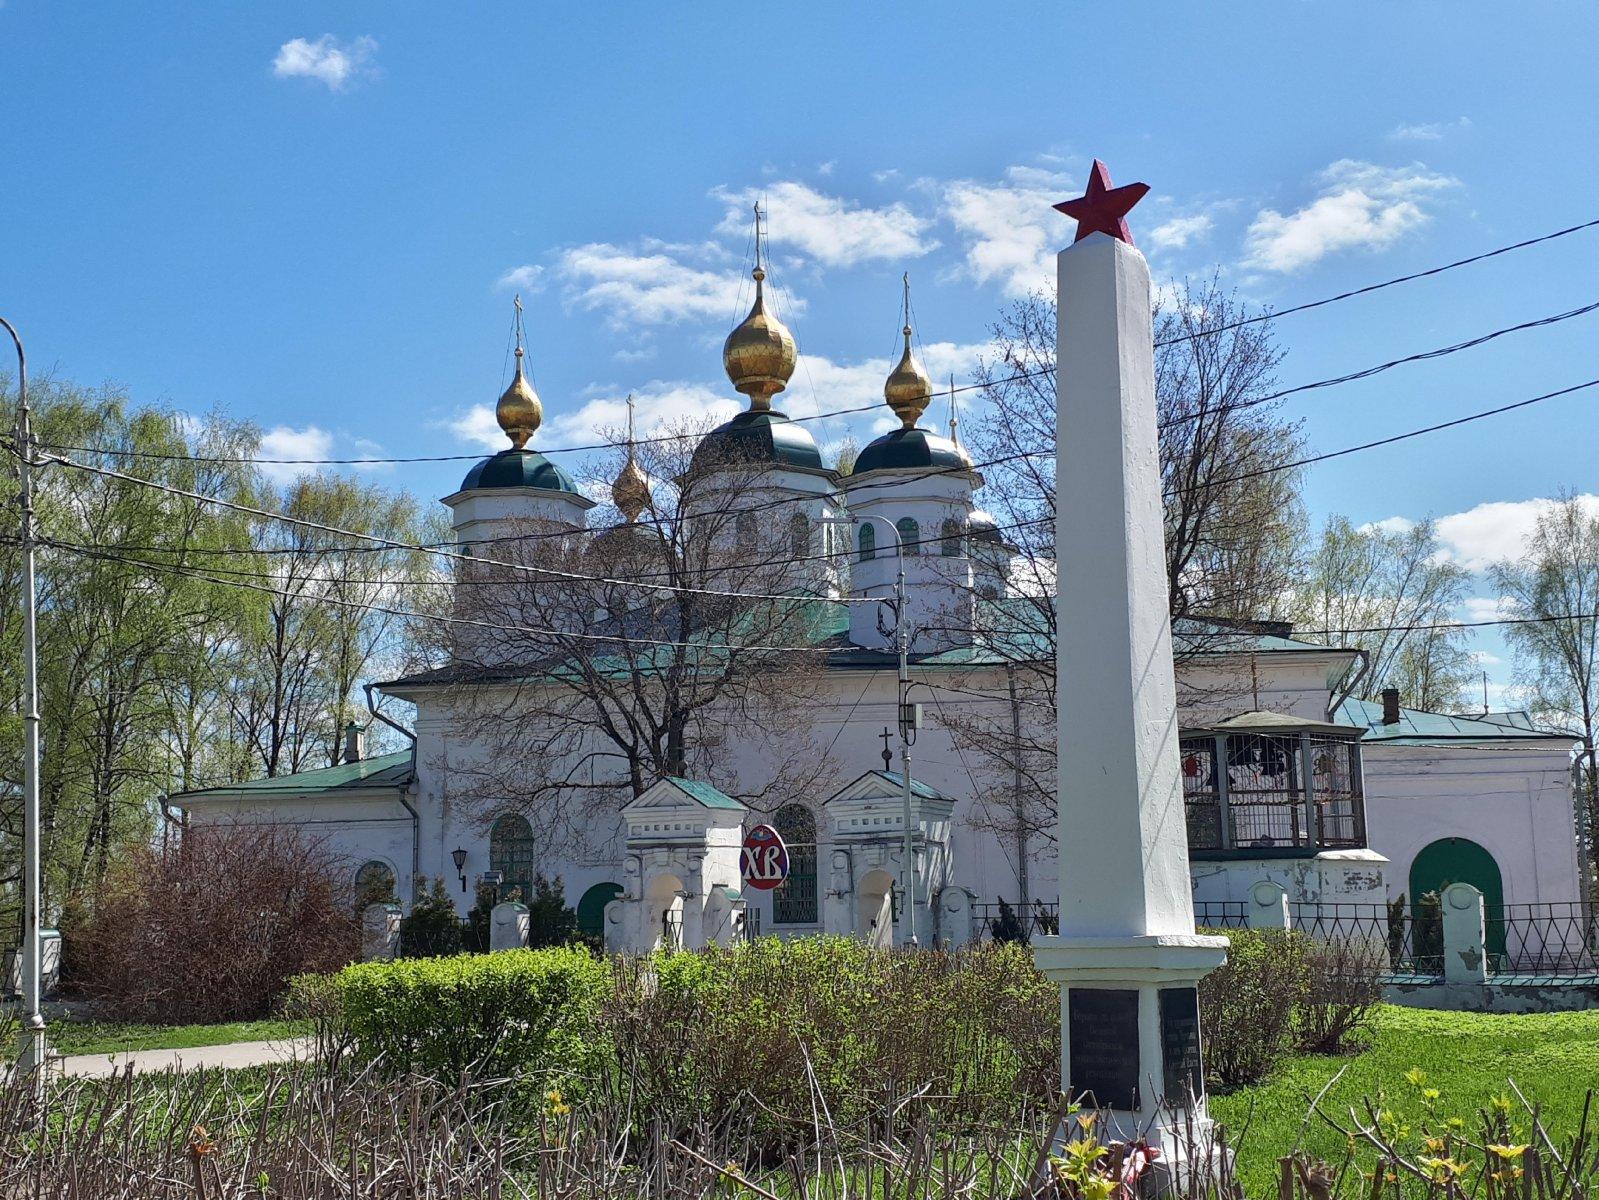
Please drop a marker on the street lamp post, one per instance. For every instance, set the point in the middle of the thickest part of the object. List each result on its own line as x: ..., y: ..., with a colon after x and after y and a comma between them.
x: 31, y: 1057
x: 902, y: 644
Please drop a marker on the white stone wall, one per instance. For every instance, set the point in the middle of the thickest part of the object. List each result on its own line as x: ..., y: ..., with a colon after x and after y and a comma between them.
x: 1513, y: 800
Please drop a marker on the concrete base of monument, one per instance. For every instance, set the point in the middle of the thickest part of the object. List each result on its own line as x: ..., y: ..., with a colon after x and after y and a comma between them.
x: 1130, y: 1042
x: 1151, y: 958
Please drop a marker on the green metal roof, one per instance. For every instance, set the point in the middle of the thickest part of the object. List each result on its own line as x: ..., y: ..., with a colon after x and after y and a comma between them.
x: 910, y: 448
x: 518, y: 468
x: 926, y: 791
x: 759, y: 437
x: 1417, y: 728
x: 384, y: 771
x: 705, y: 793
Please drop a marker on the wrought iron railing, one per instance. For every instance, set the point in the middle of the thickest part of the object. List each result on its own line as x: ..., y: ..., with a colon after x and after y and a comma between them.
x: 1549, y: 941
x: 1394, y: 938
x: 1221, y: 914
x: 1002, y: 921
x: 1552, y: 938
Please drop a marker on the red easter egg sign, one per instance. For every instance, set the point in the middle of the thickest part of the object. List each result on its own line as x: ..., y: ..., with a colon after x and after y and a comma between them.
x: 764, y: 859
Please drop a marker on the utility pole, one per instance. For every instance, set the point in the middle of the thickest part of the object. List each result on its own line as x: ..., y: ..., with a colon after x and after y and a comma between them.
x: 1018, y: 798
x: 31, y: 1056
x: 905, y: 718
x: 906, y: 733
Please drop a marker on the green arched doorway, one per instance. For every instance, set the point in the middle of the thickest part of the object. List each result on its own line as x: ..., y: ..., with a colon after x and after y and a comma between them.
x: 1461, y: 860
x: 591, y: 908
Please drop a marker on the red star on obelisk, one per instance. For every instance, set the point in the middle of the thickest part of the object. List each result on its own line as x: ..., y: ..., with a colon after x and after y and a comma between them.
x: 1102, y: 208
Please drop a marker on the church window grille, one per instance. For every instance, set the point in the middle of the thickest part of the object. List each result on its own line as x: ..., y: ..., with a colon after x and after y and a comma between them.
x: 511, y: 854
x: 952, y: 537
x: 799, y: 534
x: 794, y: 901
x: 744, y: 531
x: 910, y: 536
x: 868, y: 542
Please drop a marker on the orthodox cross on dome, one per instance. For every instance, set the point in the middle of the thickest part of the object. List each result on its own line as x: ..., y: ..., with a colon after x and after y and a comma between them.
x: 1102, y: 208
x: 888, y: 755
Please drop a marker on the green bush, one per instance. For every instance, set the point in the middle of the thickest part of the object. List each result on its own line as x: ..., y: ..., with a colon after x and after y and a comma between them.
x: 1247, y: 1005
x: 517, y: 1012
x: 431, y: 928
x: 829, y: 1020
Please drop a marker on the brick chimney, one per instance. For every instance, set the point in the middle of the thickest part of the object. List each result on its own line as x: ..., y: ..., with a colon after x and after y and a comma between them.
x: 354, y: 743
x: 1390, y: 706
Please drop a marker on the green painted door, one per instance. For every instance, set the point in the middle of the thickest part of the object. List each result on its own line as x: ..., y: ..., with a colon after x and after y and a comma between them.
x: 591, y: 909
x: 1461, y: 860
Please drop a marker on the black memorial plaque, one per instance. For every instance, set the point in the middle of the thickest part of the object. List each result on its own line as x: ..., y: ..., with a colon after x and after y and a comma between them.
x: 1103, y: 1046
x: 1179, y: 1044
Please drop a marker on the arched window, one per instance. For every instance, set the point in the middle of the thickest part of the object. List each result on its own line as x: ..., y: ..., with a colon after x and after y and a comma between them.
x: 868, y: 541
x: 910, y: 535
x: 374, y: 884
x: 794, y: 900
x: 799, y: 534
x: 952, y: 537
x: 511, y: 854
x: 744, y: 531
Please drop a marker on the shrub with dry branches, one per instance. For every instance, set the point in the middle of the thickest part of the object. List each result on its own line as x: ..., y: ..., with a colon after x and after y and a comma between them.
x: 213, y: 928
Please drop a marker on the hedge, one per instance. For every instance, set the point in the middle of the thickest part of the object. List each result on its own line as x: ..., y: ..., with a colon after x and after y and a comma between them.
x: 511, y: 1013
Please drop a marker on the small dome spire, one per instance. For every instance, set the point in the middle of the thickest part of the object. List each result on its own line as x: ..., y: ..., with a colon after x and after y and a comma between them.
x: 759, y: 355
x: 631, y: 489
x: 519, y: 411
x: 908, y: 390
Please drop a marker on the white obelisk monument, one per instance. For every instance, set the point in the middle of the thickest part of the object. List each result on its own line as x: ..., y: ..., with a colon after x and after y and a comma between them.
x: 1127, y: 957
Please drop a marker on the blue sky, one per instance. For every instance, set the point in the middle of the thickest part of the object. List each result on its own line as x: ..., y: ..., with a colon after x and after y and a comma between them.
x: 314, y: 215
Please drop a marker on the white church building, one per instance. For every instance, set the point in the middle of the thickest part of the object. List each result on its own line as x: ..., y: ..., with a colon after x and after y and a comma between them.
x: 1361, y: 803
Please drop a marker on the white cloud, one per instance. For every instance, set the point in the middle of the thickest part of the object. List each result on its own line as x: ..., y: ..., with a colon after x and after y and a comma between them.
x: 649, y: 284
x: 1010, y: 228
x: 526, y: 278
x: 657, y: 405
x: 829, y: 229
x: 1389, y: 525
x: 1176, y: 233
x: 1433, y: 131
x: 1360, y: 206
x: 1483, y: 659
x: 312, y: 442
x: 326, y: 60
x: 1497, y: 531
x: 1486, y: 608
x: 826, y: 168
x: 477, y: 427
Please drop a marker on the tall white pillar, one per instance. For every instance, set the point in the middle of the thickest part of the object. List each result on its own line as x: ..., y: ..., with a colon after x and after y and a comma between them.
x: 1127, y: 956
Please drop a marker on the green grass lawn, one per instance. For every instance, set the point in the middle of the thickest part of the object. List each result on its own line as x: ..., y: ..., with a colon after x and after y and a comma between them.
x: 112, y: 1037
x: 1467, y: 1057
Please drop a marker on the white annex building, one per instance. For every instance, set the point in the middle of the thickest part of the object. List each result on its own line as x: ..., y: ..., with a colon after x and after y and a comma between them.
x: 1362, y: 803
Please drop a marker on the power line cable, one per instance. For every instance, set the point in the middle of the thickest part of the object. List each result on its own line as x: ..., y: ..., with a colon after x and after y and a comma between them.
x: 1387, y: 283
x: 497, y: 626
x: 394, y: 544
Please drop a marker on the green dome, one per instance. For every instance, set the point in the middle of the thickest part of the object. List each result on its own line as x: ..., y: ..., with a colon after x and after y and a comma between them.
x: 518, y: 469
x: 911, y: 448
x: 758, y: 437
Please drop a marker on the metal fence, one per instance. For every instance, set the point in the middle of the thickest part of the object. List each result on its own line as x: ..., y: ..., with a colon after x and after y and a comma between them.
x: 1221, y: 914
x: 1548, y: 939
x: 1002, y: 921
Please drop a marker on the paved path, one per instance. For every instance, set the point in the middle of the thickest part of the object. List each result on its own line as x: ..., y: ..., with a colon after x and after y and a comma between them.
x: 233, y: 1054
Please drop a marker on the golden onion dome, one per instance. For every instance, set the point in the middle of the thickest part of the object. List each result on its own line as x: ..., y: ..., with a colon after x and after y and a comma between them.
x: 759, y: 355
x: 631, y: 490
x: 519, y: 411
x: 908, y: 390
